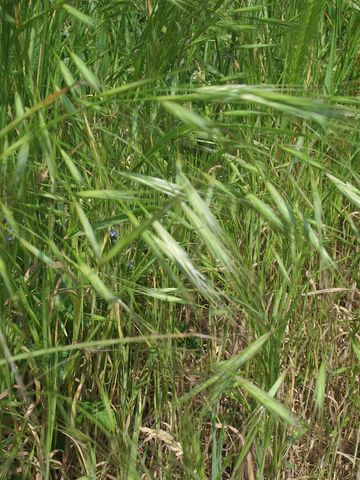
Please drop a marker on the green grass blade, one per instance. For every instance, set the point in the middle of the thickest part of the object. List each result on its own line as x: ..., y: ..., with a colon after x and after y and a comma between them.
x: 268, y: 402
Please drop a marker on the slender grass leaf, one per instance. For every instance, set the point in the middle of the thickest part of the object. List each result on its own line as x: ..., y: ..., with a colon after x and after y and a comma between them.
x: 98, y: 285
x: 86, y: 73
x: 265, y: 210
x: 317, y: 244
x: 189, y: 117
x: 47, y: 147
x: 125, y: 88
x: 164, y: 294
x: 243, y: 113
x: 320, y: 387
x: 282, y: 266
x: 232, y: 365
x: 72, y: 167
x: 282, y: 206
x: 19, y: 107
x: 351, y: 192
x: 302, y: 157
x: 28, y: 113
x: 38, y: 254
x: 159, y: 184
x: 82, y: 17
x: 211, y: 240
x: 177, y: 254
x: 256, y: 423
x: 89, y: 232
x: 5, y: 277
x: 253, y: 8
x: 197, y: 203
x: 356, y: 348
x: 10, y: 219
x: 298, y: 106
x: 68, y: 77
x: 22, y: 159
x: 272, y: 405
x: 25, y: 139
x: 228, y: 368
x: 108, y: 415
x: 108, y: 195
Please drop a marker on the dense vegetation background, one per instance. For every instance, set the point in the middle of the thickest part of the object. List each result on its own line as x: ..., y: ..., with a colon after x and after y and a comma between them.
x: 179, y: 235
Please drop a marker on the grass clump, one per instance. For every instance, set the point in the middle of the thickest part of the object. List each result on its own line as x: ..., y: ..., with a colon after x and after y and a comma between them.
x: 179, y: 257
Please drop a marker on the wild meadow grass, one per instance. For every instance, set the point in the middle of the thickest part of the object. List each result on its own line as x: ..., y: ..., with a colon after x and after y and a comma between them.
x: 179, y: 239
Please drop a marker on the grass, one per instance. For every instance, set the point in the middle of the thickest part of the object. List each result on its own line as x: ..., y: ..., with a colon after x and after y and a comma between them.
x: 179, y: 256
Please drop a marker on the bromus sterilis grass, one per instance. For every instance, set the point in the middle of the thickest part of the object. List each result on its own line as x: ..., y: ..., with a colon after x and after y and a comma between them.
x: 179, y: 258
